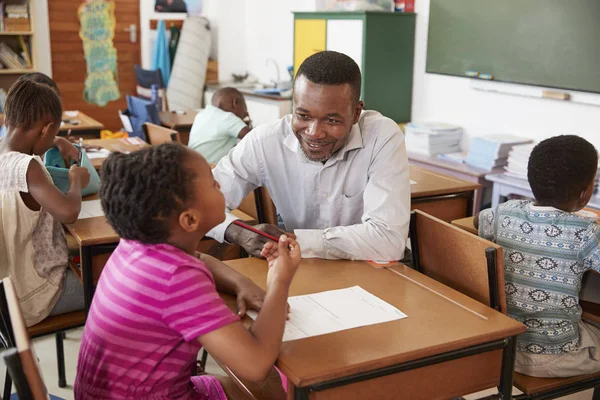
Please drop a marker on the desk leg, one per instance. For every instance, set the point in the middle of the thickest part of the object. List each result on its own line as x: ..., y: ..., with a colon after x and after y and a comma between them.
x: 301, y: 393
x: 508, y: 366
x: 87, y: 276
x: 496, y: 193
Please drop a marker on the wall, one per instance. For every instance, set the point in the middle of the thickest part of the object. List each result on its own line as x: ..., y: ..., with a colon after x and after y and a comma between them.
x: 451, y: 99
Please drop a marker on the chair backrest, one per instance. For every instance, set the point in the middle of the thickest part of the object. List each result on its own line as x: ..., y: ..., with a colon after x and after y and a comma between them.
x: 156, y: 134
x: 139, y: 112
x: 459, y: 259
x: 145, y: 78
x: 20, y: 359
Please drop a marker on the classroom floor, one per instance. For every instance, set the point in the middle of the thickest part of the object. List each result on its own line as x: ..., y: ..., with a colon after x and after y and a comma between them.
x: 46, y: 351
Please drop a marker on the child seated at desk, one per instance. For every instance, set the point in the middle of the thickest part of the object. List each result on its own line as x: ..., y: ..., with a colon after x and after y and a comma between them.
x: 156, y: 303
x: 33, y: 248
x: 547, y: 248
x: 218, y: 127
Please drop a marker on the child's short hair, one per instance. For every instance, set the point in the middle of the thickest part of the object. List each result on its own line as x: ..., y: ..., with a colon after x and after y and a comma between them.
x: 560, y: 168
x: 140, y: 192
x: 40, y: 78
x: 28, y: 102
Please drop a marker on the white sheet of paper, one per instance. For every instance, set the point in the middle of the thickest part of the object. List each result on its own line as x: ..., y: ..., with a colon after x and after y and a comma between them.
x: 335, y: 310
x: 126, y: 122
x: 412, y: 182
x: 102, y: 153
x: 90, y: 209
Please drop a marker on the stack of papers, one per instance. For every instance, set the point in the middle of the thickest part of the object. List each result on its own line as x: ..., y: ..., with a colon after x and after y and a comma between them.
x: 90, y: 209
x: 333, y: 311
x: 518, y: 157
x: 432, y: 138
x: 490, y: 152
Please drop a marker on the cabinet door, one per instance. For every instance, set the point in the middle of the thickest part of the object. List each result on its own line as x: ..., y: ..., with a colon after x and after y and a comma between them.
x: 346, y: 36
x: 309, y: 38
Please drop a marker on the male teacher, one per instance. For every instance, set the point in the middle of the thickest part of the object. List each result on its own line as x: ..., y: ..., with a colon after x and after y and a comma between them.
x: 338, y: 175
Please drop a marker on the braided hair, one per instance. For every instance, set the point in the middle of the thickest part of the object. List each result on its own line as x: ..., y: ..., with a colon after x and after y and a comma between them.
x: 29, y: 102
x: 141, y: 192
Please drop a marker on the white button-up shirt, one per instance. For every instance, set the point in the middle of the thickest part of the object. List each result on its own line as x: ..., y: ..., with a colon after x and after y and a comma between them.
x: 354, y: 206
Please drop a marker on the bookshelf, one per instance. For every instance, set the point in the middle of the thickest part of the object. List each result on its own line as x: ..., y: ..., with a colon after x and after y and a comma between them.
x: 17, y: 40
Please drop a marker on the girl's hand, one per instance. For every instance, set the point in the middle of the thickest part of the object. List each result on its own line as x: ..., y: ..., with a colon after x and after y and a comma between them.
x: 67, y: 150
x: 284, y: 259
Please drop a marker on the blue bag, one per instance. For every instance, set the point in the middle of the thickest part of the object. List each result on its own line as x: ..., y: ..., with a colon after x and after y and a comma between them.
x: 60, y: 172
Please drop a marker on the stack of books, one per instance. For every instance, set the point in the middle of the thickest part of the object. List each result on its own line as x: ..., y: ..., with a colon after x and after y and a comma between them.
x: 16, y: 18
x: 432, y: 138
x: 12, y: 60
x: 518, y: 157
x: 491, y: 152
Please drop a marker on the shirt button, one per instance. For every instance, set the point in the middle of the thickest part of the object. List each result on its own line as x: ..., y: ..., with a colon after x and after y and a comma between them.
x: 325, y: 226
x: 324, y: 195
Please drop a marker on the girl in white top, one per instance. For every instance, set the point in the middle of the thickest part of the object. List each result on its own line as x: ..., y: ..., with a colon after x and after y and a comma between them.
x: 33, y: 249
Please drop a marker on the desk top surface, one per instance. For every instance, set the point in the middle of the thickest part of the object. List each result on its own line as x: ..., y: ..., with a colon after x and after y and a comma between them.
x: 429, y: 183
x: 435, y: 324
x: 116, y: 145
x: 85, y: 123
x: 176, y: 121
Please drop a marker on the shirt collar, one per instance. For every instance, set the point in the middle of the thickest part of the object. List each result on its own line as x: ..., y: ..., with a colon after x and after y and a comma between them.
x: 353, y: 141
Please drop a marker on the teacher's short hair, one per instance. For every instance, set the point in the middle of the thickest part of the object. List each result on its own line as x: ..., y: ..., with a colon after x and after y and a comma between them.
x: 332, y: 68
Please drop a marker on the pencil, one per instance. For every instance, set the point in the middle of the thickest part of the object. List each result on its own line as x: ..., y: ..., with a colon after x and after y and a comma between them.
x: 80, y: 152
x: 248, y: 227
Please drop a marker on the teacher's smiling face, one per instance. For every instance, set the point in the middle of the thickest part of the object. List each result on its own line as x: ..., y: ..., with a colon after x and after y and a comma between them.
x: 323, y: 117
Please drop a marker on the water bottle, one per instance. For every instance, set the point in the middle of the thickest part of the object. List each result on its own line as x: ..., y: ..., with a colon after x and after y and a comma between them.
x: 155, y: 98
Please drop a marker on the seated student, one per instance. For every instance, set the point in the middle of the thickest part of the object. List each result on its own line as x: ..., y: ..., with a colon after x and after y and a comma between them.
x: 156, y: 303
x: 218, y: 127
x: 547, y: 249
x: 35, y: 77
x: 33, y: 248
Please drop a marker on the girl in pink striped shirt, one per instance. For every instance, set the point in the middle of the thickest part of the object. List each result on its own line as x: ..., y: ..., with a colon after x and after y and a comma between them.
x: 156, y: 303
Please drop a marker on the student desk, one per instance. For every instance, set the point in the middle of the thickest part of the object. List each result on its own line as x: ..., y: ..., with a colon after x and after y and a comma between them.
x: 441, y: 196
x: 114, y: 145
x: 505, y: 185
x: 180, y: 123
x: 97, y: 240
x: 87, y: 127
x: 448, y: 346
x: 456, y: 170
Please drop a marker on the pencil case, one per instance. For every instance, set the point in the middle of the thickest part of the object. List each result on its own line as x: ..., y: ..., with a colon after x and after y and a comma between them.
x: 60, y: 172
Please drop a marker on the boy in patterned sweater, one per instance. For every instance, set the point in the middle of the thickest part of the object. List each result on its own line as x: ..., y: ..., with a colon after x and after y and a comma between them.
x: 548, y: 246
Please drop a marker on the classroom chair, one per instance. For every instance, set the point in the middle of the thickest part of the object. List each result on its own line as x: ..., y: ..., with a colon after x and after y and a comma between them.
x: 156, y: 134
x: 20, y: 359
x: 459, y: 259
x: 56, y: 325
x: 454, y: 256
x: 145, y: 78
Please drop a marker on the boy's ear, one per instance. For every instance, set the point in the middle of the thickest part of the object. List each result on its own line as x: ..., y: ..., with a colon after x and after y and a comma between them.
x: 189, y: 220
x: 586, y: 194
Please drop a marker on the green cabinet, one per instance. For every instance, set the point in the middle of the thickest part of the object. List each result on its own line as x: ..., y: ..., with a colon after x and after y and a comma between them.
x: 381, y: 43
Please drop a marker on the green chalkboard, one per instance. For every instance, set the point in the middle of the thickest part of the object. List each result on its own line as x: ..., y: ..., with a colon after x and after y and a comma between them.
x: 553, y: 43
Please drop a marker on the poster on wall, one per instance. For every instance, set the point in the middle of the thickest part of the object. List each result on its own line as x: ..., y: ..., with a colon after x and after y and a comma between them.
x: 97, y: 18
x: 191, y: 7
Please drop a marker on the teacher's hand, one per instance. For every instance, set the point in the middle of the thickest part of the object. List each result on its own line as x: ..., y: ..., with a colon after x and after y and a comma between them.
x: 251, y: 242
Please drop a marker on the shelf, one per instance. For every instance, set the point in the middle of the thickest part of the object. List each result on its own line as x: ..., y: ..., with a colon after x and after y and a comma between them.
x: 15, y: 71
x: 17, y: 33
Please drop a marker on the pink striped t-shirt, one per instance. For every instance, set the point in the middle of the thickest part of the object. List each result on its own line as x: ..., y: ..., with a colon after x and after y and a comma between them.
x: 139, y: 342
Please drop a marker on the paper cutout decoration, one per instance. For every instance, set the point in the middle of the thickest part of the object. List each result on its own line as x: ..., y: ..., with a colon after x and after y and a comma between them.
x: 97, y: 18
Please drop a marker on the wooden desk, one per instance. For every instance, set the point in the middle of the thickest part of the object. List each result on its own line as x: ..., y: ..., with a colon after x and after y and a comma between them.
x: 441, y: 196
x: 97, y: 240
x: 466, y: 224
x: 456, y: 170
x: 448, y: 346
x: 180, y: 123
x: 87, y: 128
x: 114, y: 145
